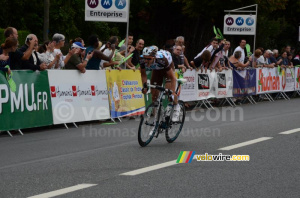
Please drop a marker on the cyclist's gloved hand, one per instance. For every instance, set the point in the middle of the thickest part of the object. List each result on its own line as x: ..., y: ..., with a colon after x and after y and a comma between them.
x: 145, y: 88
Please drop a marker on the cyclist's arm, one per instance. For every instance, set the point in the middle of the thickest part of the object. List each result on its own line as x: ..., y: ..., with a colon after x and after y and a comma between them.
x: 144, y: 75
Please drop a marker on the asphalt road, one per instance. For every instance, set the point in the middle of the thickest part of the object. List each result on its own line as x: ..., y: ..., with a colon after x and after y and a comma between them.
x: 59, y: 161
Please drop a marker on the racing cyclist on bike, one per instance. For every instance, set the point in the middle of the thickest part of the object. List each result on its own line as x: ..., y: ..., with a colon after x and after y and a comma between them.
x: 161, y: 64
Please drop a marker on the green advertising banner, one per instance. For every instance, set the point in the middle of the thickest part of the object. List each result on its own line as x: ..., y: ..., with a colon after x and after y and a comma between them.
x: 30, y: 105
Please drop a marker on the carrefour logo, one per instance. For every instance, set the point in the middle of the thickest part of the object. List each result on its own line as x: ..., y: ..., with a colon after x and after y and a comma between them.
x: 239, y: 21
x: 106, y: 3
x: 249, y: 21
x: 120, y: 4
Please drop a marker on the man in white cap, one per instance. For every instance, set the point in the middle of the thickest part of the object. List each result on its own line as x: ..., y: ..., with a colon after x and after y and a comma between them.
x: 75, y: 61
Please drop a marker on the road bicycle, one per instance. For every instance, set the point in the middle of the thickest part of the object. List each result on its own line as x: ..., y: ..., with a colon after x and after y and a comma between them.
x: 157, y: 120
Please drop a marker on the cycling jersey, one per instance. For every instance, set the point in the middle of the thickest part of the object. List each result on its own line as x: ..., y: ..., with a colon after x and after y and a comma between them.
x: 159, y: 62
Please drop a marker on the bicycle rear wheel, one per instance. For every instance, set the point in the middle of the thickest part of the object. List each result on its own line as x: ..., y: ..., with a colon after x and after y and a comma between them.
x: 148, y: 125
x: 174, y: 128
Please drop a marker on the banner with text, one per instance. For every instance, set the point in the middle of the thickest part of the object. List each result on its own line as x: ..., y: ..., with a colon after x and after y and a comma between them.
x: 239, y: 24
x: 244, y: 82
x: 30, y: 105
x: 297, y: 78
x: 78, y: 97
x: 125, y: 93
x: 224, y: 84
x: 268, y: 80
x: 287, y: 79
x: 188, y: 89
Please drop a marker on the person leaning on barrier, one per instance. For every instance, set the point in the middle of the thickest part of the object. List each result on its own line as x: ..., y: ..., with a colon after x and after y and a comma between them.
x: 254, y: 58
x: 179, y: 41
x: 177, y: 60
x: 76, y: 61
x: 235, y: 63
x: 16, y: 56
x: 202, y: 61
x: 59, y: 41
x: 241, y: 48
x: 33, y: 63
x: 283, y: 60
x: 98, y: 56
x: 110, y: 48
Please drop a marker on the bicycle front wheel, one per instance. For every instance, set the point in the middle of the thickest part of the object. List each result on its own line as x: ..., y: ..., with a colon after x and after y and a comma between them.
x: 174, y: 128
x: 148, y: 125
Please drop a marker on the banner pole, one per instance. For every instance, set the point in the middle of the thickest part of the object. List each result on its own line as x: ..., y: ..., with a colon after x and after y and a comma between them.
x: 255, y: 29
x: 127, y: 31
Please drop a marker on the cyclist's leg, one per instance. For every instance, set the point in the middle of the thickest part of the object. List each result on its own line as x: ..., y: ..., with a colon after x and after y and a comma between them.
x: 156, y: 79
x: 172, y: 83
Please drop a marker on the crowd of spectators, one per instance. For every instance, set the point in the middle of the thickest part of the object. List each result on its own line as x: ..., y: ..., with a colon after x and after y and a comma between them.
x: 107, y: 55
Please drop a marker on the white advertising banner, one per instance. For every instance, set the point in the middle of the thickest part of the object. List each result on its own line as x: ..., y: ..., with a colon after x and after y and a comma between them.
x: 268, y: 80
x: 239, y: 24
x: 78, y: 97
x: 107, y: 10
x: 297, y: 78
x: 287, y: 79
x: 224, y: 84
x: 188, y: 90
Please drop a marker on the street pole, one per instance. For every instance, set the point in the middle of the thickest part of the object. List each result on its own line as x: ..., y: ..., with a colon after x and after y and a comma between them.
x: 46, y: 19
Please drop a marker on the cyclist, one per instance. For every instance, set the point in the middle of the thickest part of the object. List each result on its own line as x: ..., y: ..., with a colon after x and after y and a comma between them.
x: 161, y: 64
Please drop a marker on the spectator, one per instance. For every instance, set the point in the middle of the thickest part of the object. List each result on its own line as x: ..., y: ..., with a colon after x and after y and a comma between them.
x: 59, y: 40
x: 283, y: 60
x: 235, y: 63
x: 33, y: 63
x: 290, y: 59
x: 45, y: 54
x: 113, y: 41
x: 94, y: 46
x: 274, y: 57
x: 202, y: 61
x: 75, y: 62
x: 287, y: 48
x: 211, y: 48
x: 177, y: 60
x: 179, y: 41
x: 226, y: 49
x: 254, y: 57
x: 296, y: 60
x: 133, y: 62
x: 130, y: 41
x: 241, y: 48
x: 10, y: 45
x: 16, y: 57
x: 264, y: 59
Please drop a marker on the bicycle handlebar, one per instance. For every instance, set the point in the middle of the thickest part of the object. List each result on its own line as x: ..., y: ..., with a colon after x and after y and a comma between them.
x: 161, y: 89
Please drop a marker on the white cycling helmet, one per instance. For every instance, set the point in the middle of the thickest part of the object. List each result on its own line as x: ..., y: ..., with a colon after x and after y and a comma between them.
x: 149, y: 51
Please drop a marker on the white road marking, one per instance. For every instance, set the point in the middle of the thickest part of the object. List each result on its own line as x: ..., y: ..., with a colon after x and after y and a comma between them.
x: 150, y: 168
x: 64, y: 191
x: 245, y: 143
x: 290, y: 131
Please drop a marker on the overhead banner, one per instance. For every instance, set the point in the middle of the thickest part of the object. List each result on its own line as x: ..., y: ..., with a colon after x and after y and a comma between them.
x: 268, y: 80
x: 244, y: 82
x: 297, y: 78
x: 78, y: 97
x: 287, y: 79
x: 224, y: 84
x: 189, y: 89
x: 107, y: 10
x: 125, y: 93
x: 30, y: 105
x: 239, y: 24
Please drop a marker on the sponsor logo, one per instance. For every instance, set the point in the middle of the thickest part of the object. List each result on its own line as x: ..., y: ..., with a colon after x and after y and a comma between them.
x: 249, y: 21
x: 268, y: 83
x: 229, y: 21
x: 106, y: 4
x: 75, y: 91
x: 120, y: 4
x: 203, y: 81
x: 221, y: 81
x: 239, y: 21
x: 53, y: 91
x: 93, y: 3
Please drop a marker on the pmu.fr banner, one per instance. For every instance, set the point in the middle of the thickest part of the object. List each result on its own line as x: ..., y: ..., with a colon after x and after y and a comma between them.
x: 268, y: 80
x: 189, y: 89
x: 244, y: 82
x: 30, y: 105
x: 287, y: 79
x: 125, y: 93
x: 297, y: 78
x: 223, y: 84
x: 78, y: 97
x: 205, y: 85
